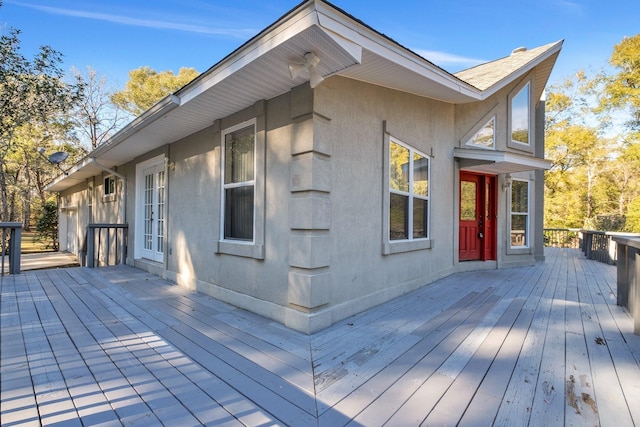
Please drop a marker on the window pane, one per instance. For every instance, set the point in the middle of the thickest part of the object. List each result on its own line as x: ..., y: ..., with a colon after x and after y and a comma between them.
x: 519, y: 230
x: 238, y: 156
x: 420, y: 175
x: 520, y: 116
x: 398, y: 218
x: 238, y: 215
x: 520, y: 196
x: 420, y: 216
x: 485, y: 136
x: 399, y: 167
x: 468, y: 195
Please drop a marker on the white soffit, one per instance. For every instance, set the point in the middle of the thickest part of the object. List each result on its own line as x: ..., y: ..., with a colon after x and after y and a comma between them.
x: 258, y: 70
x: 497, y: 162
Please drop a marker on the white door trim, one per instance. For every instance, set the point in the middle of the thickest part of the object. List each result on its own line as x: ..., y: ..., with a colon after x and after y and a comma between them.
x: 155, y: 254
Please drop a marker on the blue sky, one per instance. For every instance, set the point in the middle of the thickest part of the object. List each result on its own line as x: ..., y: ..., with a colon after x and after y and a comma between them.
x: 116, y: 36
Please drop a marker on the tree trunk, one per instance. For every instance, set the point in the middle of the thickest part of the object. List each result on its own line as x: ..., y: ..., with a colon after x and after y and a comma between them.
x: 4, y: 214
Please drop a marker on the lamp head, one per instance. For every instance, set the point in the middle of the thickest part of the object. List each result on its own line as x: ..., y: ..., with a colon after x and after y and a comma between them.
x: 309, y: 65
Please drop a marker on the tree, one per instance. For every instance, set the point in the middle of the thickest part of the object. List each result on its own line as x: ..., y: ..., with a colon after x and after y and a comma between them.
x: 622, y: 89
x: 47, y: 226
x: 95, y: 116
x: 146, y: 87
x: 32, y: 92
x: 596, y: 157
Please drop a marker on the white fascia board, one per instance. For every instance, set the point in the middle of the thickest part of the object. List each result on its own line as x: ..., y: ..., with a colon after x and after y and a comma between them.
x: 75, y: 175
x: 160, y: 109
x: 501, y: 157
x: 332, y: 21
x: 289, y: 27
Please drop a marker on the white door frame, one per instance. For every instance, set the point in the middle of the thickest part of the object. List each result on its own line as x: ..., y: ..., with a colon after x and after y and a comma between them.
x: 150, y: 231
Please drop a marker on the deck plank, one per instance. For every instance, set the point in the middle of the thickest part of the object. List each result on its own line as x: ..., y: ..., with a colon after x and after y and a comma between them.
x: 544, y: 344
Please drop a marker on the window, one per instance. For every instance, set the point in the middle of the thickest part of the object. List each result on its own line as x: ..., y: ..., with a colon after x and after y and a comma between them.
x: 520, y: 116
x: 519, y: 214
x: 239, y: 183
x: 109, y: 188
x: 485, y: 137
x: 408, y: 193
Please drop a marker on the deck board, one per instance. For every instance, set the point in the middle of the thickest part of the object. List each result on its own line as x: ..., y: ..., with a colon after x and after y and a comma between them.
x: 544, y: 344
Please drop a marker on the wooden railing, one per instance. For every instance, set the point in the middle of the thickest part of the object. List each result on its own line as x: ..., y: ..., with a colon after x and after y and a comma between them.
x: 628, y: 277
x: 596, y: 245
x: 111, y: 245
x: 11, y: 242
x: 600, y: 246
x: 562, y: 237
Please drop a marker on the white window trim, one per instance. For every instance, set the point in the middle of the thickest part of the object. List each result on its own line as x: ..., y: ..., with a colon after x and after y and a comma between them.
x: 410, y: 244
x: 531, y: 118
x: 470, y: 138
x: 255, y: 247
x: 527, y: 246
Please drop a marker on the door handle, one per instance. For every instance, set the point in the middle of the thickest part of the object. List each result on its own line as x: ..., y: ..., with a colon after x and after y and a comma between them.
x: 480, y: 235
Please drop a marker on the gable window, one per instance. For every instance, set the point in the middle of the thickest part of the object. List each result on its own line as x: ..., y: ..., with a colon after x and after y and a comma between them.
x: 519, y: 214
x: 239, y: 171
x: 485, y: 137
x: 408, y: 193
x: 521, y: 116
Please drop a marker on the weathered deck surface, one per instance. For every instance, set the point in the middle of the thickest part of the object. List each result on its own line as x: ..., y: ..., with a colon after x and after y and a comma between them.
x: 541, y: 345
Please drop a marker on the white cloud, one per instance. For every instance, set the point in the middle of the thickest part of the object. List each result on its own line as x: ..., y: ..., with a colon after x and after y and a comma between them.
x: 137, y: 22
x: 445, y: 59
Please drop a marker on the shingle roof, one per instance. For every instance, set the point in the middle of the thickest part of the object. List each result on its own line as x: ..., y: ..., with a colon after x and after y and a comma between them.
x: 486, y: 75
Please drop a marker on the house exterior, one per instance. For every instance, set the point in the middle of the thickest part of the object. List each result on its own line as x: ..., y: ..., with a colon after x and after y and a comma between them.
x: 310, y: 204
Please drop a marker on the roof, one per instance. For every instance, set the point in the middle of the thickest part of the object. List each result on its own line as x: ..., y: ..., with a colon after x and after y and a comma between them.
x: 258, y: 70
x: 489, y: 75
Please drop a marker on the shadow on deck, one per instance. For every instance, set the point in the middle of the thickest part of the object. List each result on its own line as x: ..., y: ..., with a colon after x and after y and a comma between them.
x: 539, y: 345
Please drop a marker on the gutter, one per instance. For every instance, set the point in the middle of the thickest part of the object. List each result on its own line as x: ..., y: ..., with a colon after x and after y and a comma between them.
x: 124, y: 185
x: 163, y: 106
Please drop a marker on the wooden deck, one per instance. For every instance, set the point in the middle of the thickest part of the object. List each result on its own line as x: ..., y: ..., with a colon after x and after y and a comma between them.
x: 541, y: 345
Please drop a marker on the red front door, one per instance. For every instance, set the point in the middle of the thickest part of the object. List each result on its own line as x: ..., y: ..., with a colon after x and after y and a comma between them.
x: 477, y: 217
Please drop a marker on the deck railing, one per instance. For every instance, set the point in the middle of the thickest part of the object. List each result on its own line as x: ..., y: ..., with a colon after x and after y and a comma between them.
x: 628, y: 277
x: 562, y: 237
x: 11, y: 242
x: 596, y: 245
x: 600, y: 246
x: 106, y: 244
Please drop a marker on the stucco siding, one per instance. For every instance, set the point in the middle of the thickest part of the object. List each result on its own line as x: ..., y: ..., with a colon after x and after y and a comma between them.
x: 360, y: 274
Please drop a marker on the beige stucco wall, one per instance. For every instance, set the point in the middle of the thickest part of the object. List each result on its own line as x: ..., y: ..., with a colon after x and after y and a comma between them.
x: 361, y: 276
x: 320, y: 252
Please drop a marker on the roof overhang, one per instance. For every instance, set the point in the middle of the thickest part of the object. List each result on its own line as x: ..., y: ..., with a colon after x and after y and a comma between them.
x: 497, y: 162
x: 258, y: 70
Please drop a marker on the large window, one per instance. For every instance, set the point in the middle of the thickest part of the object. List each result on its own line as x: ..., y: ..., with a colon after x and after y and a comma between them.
x: 239, y: 182
x: 519, y: 214
x: 520, y: 116
x: 408, y: 193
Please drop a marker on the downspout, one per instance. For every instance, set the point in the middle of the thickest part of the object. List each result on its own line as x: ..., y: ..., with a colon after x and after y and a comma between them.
x: 124, y: 186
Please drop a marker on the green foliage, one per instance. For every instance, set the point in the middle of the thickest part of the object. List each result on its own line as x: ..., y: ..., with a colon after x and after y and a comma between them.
x: 593, y: 182
x: 147, y: 86
x: 33, y: 95
x: 623, y: 88
x: 47, y: 225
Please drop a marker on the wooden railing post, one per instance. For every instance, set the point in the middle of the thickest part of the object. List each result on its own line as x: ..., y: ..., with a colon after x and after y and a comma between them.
x: 15, y: 245
x: 628, y: 277
x: 91, y: 246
